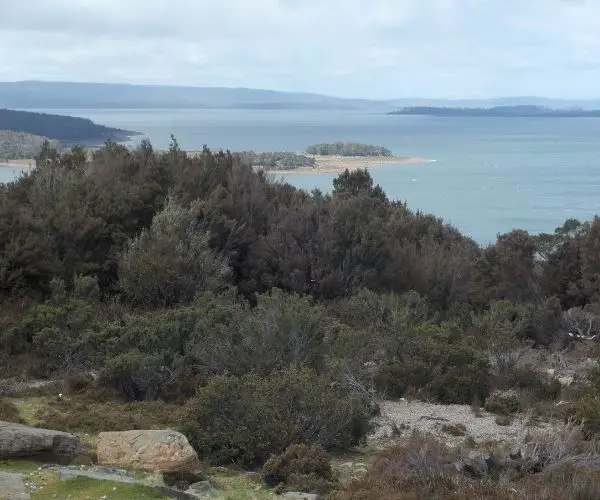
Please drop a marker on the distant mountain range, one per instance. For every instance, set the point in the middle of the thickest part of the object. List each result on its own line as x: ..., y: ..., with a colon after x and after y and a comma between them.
x: 49, y: 95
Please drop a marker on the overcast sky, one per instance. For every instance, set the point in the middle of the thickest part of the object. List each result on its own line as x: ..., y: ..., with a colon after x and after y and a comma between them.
x: 354, y: 48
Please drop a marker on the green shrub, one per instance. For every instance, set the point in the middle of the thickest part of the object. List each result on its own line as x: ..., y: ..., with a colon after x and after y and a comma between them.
x: 9, y: 411
x: 300, y: 468
x: 437, y: 363
x: 136, y: 376
x: 542, y: 387
x: 171, y: 262
x: 503, y: 403
x: 247, y: 419
x: 588, y: 413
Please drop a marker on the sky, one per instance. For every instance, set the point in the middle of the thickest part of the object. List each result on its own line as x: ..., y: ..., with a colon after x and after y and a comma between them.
x: 376, y: 49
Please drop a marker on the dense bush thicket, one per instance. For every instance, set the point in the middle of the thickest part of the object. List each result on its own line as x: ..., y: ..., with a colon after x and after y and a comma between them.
x: 347, y: 149
x: 278, y: 160
x: 267, y: 314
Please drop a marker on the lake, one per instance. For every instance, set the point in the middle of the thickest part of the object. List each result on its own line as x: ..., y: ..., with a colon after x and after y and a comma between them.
x: 491, y: 175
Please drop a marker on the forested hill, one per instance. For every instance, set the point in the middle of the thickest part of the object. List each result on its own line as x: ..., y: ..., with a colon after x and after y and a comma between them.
x: 66, y: 129
x: 498, y: 111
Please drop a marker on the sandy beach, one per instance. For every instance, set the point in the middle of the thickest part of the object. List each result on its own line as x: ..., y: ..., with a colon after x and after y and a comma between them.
x: 337, y: 164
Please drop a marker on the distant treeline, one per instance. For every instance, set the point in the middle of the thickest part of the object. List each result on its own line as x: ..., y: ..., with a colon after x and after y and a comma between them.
x: 278, y: 160
x: 347, y: 149
x: 21, y: 145
x: 66, y: 129
x: 506, y: 111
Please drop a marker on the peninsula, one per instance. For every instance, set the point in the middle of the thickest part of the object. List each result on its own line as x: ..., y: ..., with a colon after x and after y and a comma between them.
x: 327, y: 158
x: 67, y: 130
x: 521, y: 111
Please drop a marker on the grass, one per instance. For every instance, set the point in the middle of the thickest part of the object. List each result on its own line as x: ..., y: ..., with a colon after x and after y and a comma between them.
x: 83, y: 488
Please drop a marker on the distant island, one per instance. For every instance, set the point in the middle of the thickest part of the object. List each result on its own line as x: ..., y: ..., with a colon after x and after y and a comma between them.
x: 347, y: 149
x: 21, y: 145
x: 278, y: 160
x: 521, y: 111
x: 67, y: 130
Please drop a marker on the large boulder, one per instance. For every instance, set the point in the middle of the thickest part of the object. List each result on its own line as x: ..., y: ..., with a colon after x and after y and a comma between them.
x: 160, y: 450
x: 23, y: 441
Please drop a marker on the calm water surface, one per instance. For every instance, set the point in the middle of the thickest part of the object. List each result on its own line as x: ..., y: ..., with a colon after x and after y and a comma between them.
x: 491, y: 175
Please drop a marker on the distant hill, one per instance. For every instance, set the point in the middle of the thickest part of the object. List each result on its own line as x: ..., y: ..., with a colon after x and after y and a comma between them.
x: 45, y: 95
x: 55, y: 95
x: 68, y: 130
x: 19, y: 145
x: 526, y: 111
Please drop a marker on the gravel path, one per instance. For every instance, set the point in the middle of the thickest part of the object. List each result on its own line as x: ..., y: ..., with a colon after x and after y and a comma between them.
x: 426, y: 417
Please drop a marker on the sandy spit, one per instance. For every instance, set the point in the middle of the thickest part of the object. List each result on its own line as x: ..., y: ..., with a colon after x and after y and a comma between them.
x: 337, y: 164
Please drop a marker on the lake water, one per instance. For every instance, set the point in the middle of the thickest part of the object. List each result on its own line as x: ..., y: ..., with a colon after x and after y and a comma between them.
x: 491, y: 175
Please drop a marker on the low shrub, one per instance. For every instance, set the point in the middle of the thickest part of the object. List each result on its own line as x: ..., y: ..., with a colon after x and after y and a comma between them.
x: 246, y: 419
x: 90, y: 416
x: 455, y: 429
x: 542, y: 388
x: 9, y: 412
x: 436, y: 363
x: 503, y: 403
x: 300, y: 468
x: 587, y: 412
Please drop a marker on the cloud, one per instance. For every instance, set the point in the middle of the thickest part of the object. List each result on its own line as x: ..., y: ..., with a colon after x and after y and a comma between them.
x: 366, y: 48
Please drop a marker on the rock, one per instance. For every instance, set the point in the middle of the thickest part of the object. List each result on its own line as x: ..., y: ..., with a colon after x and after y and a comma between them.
x: 12, y: 487
x: 162, y: 450
x: 23, y: 441
x: 200, y: 489
x: 301, y: 496
x: 566, y: 380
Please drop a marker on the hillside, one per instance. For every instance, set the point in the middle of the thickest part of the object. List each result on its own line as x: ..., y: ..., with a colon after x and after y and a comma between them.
x: 520, y: 111
x: 65, y: 129
x: 17, y: 145
x: 49, y: 95
x: 42, y: 95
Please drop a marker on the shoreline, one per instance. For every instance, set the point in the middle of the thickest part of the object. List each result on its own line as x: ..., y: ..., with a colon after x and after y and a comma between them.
x: 338, y: 164
x: 22, y: 163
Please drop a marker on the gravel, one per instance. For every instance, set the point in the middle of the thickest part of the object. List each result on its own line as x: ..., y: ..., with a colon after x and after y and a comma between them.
x: 408, y: 416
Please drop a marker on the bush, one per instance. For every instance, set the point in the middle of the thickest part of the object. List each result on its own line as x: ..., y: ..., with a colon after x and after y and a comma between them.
x: 542, y: 387
x: 503, y: 403
x: 171, y: 262
x: 438, y: 363
x: 9, y: 412
x: 300, y: 468
x: 588, y: 413
x: 247, y: 419
x: 136, y: 376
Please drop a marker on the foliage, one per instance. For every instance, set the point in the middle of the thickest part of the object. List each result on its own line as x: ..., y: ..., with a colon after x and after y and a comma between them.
x: 9, y: 412
x: 20, y: 145
x: 246, y: 419
x: 347, y: 149
x: 87, y: 414
x: 436, y: 362
x: 502, y: 402
x: 278, y: 160
x: 170, y: 262
x: 300, y: 468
